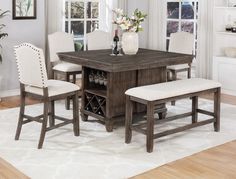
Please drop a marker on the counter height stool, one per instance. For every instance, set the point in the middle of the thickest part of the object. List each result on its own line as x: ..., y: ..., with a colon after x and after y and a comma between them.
x: 62, y: 42
x: 98, y: 40
x: 180, y: 42
x: 34, y: 83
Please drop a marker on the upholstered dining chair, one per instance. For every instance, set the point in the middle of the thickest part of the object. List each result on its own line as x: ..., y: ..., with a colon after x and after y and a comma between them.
x: 35, y: 83
x: 180, y: 42
x: 62, y: 42
x: 98, y: 40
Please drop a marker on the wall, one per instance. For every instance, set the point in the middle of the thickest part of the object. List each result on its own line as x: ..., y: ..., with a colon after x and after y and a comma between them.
x: 19, y: 31
x: 143, y: 6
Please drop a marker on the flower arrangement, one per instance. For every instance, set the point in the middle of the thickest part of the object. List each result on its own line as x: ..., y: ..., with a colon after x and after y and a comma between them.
x: 2, y: 34
x: 129, y: 24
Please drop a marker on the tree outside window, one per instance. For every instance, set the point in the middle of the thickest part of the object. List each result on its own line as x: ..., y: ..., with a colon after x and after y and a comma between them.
x: 181, y: 16
x: 81, y: 17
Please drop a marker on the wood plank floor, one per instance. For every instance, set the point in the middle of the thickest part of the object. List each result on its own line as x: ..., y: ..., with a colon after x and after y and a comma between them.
x: 218, y: 163
x: 7, y: 171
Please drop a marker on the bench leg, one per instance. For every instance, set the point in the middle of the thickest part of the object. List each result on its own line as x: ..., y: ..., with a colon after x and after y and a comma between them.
x: 217, y: 110
x: 150, y: 127
x: 128, y: 120
x: 194, y: 109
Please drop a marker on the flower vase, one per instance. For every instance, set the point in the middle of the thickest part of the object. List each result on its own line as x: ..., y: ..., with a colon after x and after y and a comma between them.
x: 130, y: 43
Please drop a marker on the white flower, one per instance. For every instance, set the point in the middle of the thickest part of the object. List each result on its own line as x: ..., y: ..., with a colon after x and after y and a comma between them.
x: 119, y: 20
x: 119, y: 11
x: 134, y: 29
x: 132, y: 17
x: 124, y: 27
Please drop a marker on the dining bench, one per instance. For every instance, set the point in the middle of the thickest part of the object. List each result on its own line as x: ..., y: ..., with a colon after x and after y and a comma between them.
x: 152, y: 95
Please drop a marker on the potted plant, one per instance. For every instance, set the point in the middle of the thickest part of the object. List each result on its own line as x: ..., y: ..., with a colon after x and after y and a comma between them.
x: 130, y: 26
x: 2, y: 34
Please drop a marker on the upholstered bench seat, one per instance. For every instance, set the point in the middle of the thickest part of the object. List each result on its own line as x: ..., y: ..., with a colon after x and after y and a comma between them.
x: 157, y: 94
x: 171, y: 89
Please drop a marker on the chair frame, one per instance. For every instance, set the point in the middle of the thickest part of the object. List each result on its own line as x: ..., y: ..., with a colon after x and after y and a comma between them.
x: 49, y: 111
x: 174, y: 73
x: 67, y: 75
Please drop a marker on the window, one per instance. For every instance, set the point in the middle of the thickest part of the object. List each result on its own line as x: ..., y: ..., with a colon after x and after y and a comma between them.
x: 81, y: 17
x: 181, y: 16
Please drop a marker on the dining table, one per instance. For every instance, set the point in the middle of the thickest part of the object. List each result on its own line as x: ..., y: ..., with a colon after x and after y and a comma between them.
x: 106, y: 77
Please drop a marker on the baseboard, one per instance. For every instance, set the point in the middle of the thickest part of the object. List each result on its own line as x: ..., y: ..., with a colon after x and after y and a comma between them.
x: 8, y: 93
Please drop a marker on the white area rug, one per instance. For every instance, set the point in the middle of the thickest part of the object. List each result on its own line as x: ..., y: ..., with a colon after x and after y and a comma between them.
x: 101, y: 155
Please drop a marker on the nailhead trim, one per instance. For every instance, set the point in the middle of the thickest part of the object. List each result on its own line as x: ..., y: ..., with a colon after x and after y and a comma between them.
x: 43, y: 80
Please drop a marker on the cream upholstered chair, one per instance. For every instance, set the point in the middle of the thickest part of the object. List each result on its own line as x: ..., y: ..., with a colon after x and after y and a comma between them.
x: 98, y: 40
x: 62, y: 42
x: 34, y: 82
x: 180, y: 42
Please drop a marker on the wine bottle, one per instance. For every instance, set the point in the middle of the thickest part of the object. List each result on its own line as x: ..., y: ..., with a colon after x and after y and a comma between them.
x: 116, y: 41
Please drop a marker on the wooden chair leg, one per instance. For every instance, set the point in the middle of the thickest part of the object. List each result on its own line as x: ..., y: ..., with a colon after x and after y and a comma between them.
x: 168, y: 75
x: 76, y: 126
x: 128, y: 120
x: 52, y: 114
x: 21, y: 116
x: 194, y: 109
x: 174, y: 78
x: 68, y: 98
x: 150, y: 127
x: 44, y: 125
x: 217, y: 99
x: 74, y: 78
x: 189, y: 71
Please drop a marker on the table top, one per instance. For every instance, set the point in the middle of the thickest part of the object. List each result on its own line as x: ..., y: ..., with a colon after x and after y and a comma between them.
x: 144, y: 59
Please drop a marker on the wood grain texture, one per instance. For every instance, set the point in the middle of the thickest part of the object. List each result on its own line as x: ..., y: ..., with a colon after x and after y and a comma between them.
x: 7, y: 171
x: 218, y: 162
x: 145, y: 59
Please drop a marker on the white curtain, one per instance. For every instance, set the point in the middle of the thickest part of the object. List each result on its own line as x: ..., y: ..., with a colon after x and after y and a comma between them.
x: 156, y: 24
x: 123, y: 4
x: 53, y: 23
x: 54, y: 17
x: 205, y: 39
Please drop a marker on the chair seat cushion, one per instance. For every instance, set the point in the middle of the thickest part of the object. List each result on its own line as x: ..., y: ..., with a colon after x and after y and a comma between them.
x: 67, y: 67
x: 172, y: 89
x: 55, y: 87
x: 178, y: 67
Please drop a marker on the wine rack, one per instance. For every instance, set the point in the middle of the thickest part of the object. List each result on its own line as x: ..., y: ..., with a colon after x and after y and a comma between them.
x: 94, y: 103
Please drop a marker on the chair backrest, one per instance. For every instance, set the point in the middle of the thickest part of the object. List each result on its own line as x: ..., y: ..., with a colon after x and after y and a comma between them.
x: 181, y: 42
x: 60, y: 42
x: 31, y: 65
x: 98, y: 40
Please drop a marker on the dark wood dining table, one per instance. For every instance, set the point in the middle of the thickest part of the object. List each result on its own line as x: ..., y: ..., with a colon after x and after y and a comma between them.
x: 105, y: 79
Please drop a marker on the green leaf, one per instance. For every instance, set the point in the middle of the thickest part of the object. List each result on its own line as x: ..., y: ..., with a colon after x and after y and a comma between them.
x: 3, y: 35
x: 3, y: 13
